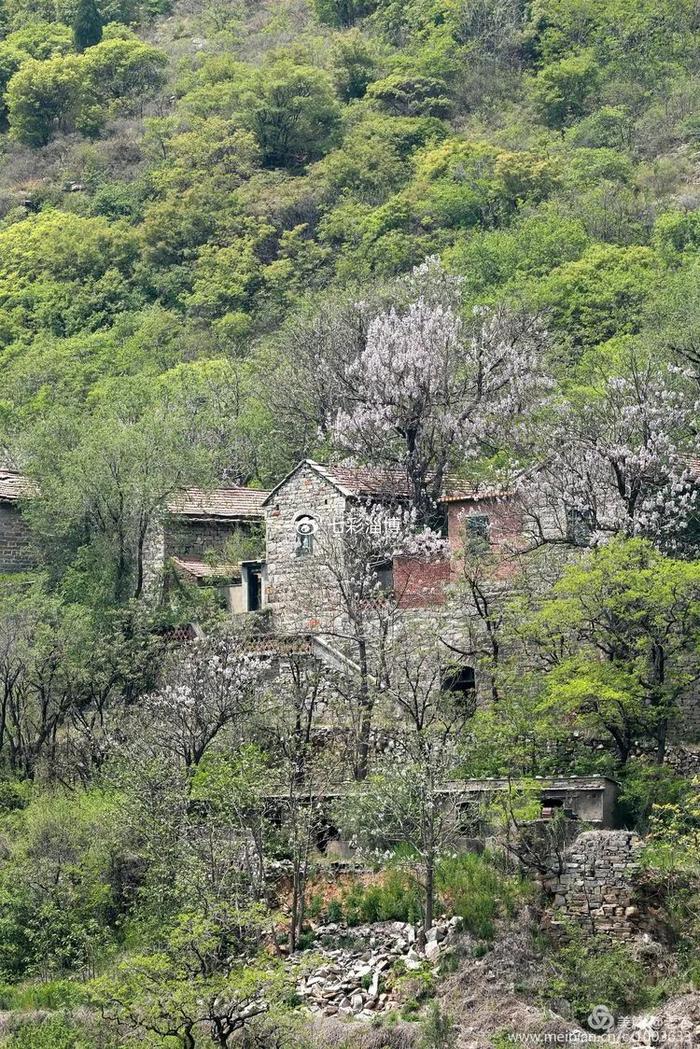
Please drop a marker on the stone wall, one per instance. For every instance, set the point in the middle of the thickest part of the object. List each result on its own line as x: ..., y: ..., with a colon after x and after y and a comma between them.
x: 596, y: 887
x: 687, y: 725
x: 192, y: 538
x: 299, y: 594
x: 15, y: 540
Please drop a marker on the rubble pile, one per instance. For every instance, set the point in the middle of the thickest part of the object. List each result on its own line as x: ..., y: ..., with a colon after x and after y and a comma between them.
x: 354, y: 981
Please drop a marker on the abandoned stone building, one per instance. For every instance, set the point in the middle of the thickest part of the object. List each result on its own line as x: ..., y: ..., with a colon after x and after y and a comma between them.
x: 269, y: 552
x: 314, y: 501
x: 15, y: 539
x: 213, y: 538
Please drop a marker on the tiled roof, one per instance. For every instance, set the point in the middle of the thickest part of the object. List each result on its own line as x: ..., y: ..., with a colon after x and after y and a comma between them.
x: 232, y: 503
x: 366, y: 480
x: 459, y: 491
x: 385, y: 482
x: 201, y: 570
x: 13, y: 485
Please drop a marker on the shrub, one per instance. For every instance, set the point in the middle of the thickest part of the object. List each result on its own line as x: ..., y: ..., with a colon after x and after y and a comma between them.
x: 469, y: 886
x: 51, y: 995
x: 587, y: 973
x: 438, y: 1030
x: 473, y: 887
x: 396, y: 898
x: 55, y: 1032
x: 644, y: 786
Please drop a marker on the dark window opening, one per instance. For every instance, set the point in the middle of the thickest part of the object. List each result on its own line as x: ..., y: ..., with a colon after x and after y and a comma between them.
x: 579, y: 525
x: 305, y: 529
x: 460, y: 681
x: 254, y: 591
x: 384, y: 572
x: 478, y: 531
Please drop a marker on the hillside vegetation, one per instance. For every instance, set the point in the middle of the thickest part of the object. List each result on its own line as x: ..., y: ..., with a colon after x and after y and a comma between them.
x: 457, y: 236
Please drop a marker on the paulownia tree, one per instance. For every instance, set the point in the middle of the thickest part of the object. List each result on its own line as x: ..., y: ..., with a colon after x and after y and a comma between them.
x: 618, y: 458
x: 359, y: 599
x: 209, y: 687
x: 427, y: 390
x: 410, y: 801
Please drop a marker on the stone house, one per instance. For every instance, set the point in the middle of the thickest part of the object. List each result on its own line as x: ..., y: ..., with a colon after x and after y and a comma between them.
x: 15, y: 539
x: 213, y: 538
x: 312, y: 503
x: 313, y: 499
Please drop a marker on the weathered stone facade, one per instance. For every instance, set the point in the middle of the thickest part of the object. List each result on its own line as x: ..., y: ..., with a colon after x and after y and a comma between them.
x: 186, y: 537
x: 686, y: 726
x: 15, y: 540
x: 298, y: 596
x: 596, y: 887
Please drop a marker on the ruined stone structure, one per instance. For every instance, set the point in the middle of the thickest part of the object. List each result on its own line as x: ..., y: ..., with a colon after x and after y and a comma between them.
x: 15, y: 540
x: 595, y: 889
x: 206, y: 538
x: 202, y: 536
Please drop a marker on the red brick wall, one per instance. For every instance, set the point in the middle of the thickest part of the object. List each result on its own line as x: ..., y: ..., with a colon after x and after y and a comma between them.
x: 420, y: 584
x: 506, y: 525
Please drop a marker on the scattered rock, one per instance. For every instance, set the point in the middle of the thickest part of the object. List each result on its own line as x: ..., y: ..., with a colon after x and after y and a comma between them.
x: 347, y: 981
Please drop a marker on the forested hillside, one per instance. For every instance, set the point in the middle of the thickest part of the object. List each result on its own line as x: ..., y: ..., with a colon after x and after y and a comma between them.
x: 459, y: 239
x: 189, y: 214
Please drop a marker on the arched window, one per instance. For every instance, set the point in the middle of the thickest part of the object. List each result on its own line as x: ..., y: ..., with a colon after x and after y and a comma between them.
x: 306, y: 529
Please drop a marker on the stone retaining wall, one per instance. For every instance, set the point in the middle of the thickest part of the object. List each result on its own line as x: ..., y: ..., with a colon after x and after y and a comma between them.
x: 595, y: 889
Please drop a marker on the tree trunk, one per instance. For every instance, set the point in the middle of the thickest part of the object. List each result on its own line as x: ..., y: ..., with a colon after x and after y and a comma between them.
x: 365, y: 727
x: 429, y: 891
x: 661, y: 735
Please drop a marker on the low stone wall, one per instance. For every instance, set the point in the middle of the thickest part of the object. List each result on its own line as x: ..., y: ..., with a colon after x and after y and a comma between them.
x: 595, y: 889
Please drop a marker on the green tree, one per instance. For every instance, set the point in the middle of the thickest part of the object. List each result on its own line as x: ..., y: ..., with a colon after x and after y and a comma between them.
x: 356, y: 62
x: 292, y: 110
x: 410, y: 94
x: 45, y: 97
x: 87, y: 25
x: 343, y: 13
x: 124, y: 73
x: 600, y: 295
x: 618, y: 642
x: 563, y: 91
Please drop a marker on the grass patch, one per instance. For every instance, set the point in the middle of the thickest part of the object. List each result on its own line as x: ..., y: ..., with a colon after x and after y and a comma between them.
x: 471, y: 886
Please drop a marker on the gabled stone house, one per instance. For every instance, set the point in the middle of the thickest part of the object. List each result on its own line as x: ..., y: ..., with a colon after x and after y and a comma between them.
x: 16, y: 553
x: 314, y: 498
